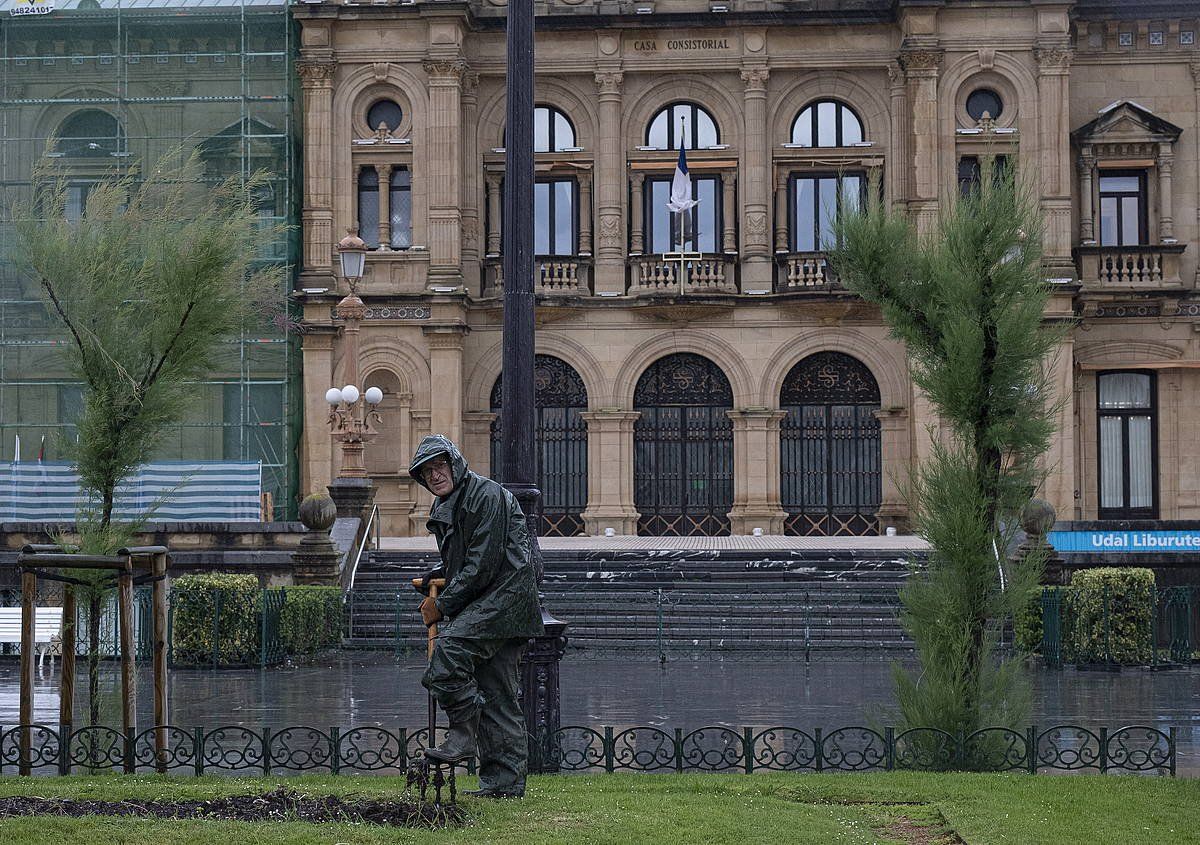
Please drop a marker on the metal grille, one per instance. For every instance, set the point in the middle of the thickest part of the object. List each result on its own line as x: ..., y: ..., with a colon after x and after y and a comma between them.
x: 561, y: 444
x: 830, y: 450
x: 683, y: 448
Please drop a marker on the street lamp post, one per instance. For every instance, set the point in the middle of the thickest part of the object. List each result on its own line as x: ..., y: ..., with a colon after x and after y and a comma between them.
x: 539, y: 672
x: 352, y: 412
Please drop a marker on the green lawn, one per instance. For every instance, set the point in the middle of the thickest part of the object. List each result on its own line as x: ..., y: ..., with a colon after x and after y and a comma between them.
x: 774, y: 808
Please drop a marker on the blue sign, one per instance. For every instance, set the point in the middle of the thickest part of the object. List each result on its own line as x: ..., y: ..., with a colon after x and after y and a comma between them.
x: 1125, y: 542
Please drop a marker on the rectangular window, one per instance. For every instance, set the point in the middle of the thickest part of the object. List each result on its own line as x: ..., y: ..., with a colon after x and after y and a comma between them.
x: 816, y: 201
x: 696, y: 230
x: 400, y: 208
x: 368, y: 206
x: 554, y: 217
x: 1123, y: 208
x: 1128, y: 447
x: 969, y: 169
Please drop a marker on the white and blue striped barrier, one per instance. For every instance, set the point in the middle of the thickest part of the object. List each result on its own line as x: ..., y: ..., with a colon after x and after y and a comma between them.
x: 177, y: 491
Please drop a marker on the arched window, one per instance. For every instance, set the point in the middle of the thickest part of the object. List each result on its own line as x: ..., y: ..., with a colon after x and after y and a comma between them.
x: 827, y: 123
x: 682, y: 123
x: 91, y: 133
x: 552, y: 130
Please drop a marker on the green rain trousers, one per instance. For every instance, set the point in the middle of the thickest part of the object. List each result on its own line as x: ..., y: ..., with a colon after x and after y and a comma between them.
x: 469, y: 676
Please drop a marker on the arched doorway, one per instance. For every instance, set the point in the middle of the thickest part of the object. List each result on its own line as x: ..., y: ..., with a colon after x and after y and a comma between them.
x: 683, y: 448
x: 830, y: 454
x: 560, y: 399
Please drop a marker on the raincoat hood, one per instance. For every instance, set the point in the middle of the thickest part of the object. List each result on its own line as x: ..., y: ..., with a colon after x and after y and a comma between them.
x: 430, y: 448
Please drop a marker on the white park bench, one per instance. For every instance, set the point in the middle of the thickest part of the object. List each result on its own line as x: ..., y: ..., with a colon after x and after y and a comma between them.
x: 47, y: 628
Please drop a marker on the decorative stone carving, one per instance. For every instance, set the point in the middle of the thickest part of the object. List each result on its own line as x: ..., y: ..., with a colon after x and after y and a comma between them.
x: 895, y: 72
x: 446, y: 69
x: 315, y: 74
x: 1052, y: 59
x: 755, y: 78
x: 381, y: 70
x: 920, y: 60
x: 609, y: 235
x: 610, y: 83
x: 756, y: 223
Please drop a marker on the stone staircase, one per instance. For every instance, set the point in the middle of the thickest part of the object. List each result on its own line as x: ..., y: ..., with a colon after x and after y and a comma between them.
x: 674, y: 602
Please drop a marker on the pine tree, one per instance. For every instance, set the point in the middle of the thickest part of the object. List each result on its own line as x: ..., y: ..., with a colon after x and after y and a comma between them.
x: 148, y: 285
x: 968, y: 303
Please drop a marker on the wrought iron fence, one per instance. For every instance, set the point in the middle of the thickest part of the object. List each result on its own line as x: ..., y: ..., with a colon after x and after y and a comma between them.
x: 236, y: 749
x: 1168, y: 637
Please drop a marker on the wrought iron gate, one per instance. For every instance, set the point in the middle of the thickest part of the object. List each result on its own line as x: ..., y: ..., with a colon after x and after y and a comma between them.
x: 830, y: 461
x: 561, y: 443
x: 683, y: 448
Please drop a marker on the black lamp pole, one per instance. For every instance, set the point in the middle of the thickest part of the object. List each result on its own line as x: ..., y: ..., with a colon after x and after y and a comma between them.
x: 539, y: 671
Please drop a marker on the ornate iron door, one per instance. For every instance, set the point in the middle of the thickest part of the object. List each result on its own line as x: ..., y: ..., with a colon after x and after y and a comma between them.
x: 830, y: 451
x: 683, y: 448
x: 561, y: 440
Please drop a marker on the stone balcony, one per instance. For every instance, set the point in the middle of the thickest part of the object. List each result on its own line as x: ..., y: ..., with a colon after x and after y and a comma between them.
x: 710, y: 273
x: 562, y: 275
x: 1130, y: 268
x: 804, y: 272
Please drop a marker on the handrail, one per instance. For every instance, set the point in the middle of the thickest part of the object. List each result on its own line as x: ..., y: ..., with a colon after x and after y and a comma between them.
x: 371, y: 521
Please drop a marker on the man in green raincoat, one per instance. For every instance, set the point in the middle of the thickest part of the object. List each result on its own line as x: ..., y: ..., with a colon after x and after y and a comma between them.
x: 487, y: 612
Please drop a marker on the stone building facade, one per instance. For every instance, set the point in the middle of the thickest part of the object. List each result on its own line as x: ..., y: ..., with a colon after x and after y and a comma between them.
x: 744, y: 388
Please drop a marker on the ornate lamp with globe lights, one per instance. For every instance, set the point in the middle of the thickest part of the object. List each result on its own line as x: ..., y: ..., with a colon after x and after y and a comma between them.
x: 352, y: 412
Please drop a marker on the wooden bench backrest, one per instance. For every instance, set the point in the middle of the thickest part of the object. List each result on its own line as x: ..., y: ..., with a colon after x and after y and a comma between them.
x: 47, y: 624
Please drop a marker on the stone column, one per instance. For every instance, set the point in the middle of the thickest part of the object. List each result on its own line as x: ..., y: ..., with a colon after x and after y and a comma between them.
x: 471, y: 230
x: 922, y: 68
x: 610, y: 472
x: 493, y: 200
x: 901, y: 162
x: 728, y: 212
x: 318, y: 451
x: 781, y: 211
x: 756, y: 496
x: 445, y: 166
x: 1087, y: 216
x: 383, y: 172
x: 316, y: 81
x: 1195, y: 68
x: 609, y: 274
x: 1054, y: 130
x: 585, y: 212
x: 1166, y: 213
x: 894, y: 446
x: 446, y: 376
x: 756, y: 189
x: 637, y: 182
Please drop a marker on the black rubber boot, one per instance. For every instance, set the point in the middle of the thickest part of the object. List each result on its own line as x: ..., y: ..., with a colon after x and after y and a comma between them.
x: 459, y: 744
x: 491, y: 792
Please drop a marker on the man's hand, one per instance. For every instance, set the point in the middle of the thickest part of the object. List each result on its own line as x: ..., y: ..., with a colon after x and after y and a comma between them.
x: 430, y: 614
x: 436, y: 572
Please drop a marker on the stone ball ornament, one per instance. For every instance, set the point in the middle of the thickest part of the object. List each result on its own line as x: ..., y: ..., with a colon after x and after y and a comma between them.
x: 318, y: 512
x: 1037, y: 517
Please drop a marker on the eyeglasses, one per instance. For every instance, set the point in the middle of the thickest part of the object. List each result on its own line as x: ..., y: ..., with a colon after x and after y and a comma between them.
x: 440, y: 465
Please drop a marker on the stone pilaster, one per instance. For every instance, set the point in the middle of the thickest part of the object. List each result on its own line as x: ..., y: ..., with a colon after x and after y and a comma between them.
x: 610, y: 472
x: 901, y: 160
x: 317, y: 450
x: 637, y: 182
x: 383, y: 173
x: 493, y: 223
x: 471, y: 227
x: 1058, y: 488
x: 781, y: 211
x: 756, y: 496
x: 1054, y: 67
x: 610, y: 187
x: 894, y: 448
x: 729, y: 214
x: 316, y: 82
x: 1166, y: 204
x: 922, y: 67
x: 756, y: 188
x: 1195, y: 68
x: 446, y: 376
x: 585, y: 213
x: 444, y: 135
x: 1087, y: 215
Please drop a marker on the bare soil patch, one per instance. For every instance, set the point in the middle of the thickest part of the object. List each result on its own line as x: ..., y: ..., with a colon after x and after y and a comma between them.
x: 279, y: 805
x: 920, y: 832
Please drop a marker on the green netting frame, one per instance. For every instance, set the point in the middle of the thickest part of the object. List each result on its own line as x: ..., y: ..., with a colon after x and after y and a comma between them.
x: 212, y: 74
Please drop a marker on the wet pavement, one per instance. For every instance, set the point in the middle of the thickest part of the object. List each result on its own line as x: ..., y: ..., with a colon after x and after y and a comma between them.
x: 365, y: 688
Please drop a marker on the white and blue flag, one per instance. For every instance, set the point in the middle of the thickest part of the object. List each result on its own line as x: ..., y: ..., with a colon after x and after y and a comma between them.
x: 681, y: 187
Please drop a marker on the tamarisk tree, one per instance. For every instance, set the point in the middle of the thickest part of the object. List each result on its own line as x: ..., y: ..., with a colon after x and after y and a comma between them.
x: 968, y: 303
x: 148, y: 285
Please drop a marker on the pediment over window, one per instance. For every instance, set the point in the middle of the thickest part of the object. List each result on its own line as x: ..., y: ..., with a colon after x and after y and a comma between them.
x: 1126, y: 125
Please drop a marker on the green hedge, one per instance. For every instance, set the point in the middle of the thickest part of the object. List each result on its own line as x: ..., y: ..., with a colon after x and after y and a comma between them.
x: 311, y: 619
x: 1027, y: 624
x: 1109, y: 616
x: 215, y: 619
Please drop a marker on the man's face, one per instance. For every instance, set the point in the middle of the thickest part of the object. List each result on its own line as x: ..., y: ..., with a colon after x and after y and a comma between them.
x: 437, y: 475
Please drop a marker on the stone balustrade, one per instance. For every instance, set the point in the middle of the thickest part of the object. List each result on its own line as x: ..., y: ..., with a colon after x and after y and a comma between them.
x: 805, y: 271
x: 559, y: 276
x: 1130, y: 267
x: 707, y: 274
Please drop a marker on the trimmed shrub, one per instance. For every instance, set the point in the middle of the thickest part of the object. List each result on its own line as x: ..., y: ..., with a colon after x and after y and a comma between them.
x: 1027, y: 624
x: 311, y: 619
x: 1111, y: 616
x: 215, y: 619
